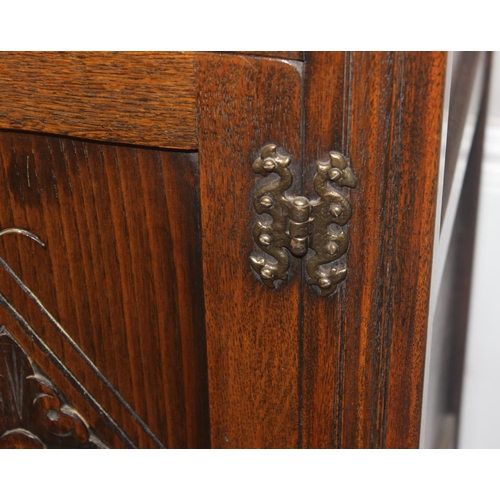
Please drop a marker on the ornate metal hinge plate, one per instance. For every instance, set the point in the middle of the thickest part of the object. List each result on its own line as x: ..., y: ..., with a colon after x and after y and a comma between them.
x: 299, y: 224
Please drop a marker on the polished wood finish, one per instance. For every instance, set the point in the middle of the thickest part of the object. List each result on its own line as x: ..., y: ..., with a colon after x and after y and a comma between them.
x: 34, y: 413
x: 395, y: 291
x: 294, y: 55
x: 252, y: 332
x: 142, y: 307
x: 47, y: 360
x: 364, y: 347
x: 145, y: 98
x: 119, y: 273
x: 325, y: 111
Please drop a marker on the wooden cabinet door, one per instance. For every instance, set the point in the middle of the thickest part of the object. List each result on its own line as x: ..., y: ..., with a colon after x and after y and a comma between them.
x: 104, y: 294
x: 131, y: 315
x: 127, y: 193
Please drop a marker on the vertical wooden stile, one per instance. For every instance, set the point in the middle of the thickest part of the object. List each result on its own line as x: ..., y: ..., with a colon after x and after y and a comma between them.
x: 364, y: 347
x: 252, y: 331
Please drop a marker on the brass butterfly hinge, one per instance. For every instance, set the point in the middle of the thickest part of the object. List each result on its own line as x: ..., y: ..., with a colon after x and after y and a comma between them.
x: 298, y: 224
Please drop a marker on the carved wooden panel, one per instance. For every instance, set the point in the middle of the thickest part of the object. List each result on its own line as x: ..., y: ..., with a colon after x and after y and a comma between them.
x: 33, y: 411
x: 113, y: 291
x: 124, y: 297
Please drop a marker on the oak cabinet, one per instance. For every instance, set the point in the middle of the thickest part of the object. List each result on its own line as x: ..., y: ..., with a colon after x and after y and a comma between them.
x: 131, y: 314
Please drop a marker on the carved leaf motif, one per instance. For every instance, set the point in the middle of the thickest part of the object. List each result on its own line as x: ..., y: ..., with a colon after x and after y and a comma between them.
x: 33, y: 412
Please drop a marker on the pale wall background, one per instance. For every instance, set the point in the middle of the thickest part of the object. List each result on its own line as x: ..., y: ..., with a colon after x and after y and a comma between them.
x: 480, y: 413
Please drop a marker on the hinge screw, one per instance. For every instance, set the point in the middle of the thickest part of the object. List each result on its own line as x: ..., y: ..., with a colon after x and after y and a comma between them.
x: 324, y: 282
x: 300, y: 201
x: 267, y: 273
x: 332, y: 248
x: 269, y: 164
x: 266, y: 201
x: 334, y: 174
x: 335, y: 209
x: 265, y: 239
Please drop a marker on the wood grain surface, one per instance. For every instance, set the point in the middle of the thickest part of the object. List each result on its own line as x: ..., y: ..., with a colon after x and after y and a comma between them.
x: 145, y: 98
x: 33, y: 411
x: 364, y: 347
x: 121, y: 273
x: 321, y: 378
x: 294, y: 55
x: 153, y: 324
x: 252, y: 331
